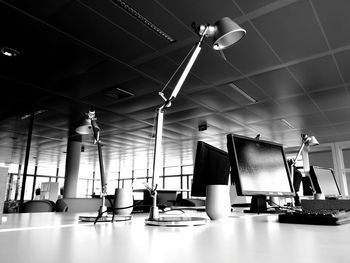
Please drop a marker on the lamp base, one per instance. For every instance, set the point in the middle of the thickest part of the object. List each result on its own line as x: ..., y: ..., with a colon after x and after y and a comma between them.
x: 107, y: 218
x: 176, y: 221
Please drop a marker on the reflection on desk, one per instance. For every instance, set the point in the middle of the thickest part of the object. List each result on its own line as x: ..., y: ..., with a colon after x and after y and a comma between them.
x: 60, y: 237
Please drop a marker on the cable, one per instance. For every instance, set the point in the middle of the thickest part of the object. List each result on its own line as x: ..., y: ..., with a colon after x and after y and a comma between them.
x: 120, y: 208
x: 290, y: 208
x: 177, y: 69
x: 116, y: 208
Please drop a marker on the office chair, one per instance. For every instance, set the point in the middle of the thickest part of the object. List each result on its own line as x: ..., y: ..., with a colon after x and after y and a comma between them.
x: 35, y: 206
x: 61, y: 206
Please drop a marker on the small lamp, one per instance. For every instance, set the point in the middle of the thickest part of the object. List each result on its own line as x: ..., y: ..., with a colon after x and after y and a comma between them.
x: 306, y: 141
x: 225, y: 33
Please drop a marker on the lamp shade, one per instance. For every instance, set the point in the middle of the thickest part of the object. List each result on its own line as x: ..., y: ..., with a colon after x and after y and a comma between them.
x: 84, y: 126
x: 227, y: 32
x: 312, y: 141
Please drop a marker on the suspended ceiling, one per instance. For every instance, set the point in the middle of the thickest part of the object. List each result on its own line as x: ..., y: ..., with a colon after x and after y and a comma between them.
x: 77, y: 55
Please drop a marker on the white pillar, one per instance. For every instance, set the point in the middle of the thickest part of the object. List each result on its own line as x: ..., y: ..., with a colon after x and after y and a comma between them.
x: 72, y: 169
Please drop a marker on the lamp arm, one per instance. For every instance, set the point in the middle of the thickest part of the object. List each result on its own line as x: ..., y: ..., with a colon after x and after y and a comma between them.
x: 95, y: 130
x: 103, y: 207
x: 298, y: 154
x: 96, y: 134
x: 102, y: 173
x: 157, y: 147
x: 187, y: 68
x: 157, y: 168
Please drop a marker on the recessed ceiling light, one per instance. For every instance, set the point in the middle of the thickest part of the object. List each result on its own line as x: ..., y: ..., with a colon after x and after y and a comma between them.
x: 243, y: 93
x: 26, y: 116
x: 9, y: 52
x: 134, y: 13
x: 287, y: 124
x: 118, y: 93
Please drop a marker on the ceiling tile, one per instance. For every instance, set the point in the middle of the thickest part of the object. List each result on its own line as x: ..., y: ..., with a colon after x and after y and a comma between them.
x: 286, y: 136
x: 298, y: 105
x: 137, y: 103
x: 215, y: 100
x: 292, y: 31
x: 129, y: 124
x: 343, y: 128
x: 323, y: 131
x: 108, y: 39
x: 338, y: 116
x: 267, y: 110
x: 99, y: 78
x: 343, y: 61
x: 331, y: 99
x: 97, y: 99
x: 185, y: 114
x: 212, y: 68
x: 141, y: 86
x: 308, y: 120
x: 335, y: 20
x: 107, y: 117
x: 246, y: 57
x: 160, y: 68
x: 224, y: 122
x: 278, y: 83
x: 243, y: 115
x: 209, y: 13
x: 181, y: 130
x: 251, y: 5
x: 269, y: 127
x: 317, y: 73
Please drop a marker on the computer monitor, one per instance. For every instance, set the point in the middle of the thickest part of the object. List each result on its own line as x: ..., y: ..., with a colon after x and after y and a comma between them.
x: 259, y: 169
x: 212, y: 166
x: 324, y: 181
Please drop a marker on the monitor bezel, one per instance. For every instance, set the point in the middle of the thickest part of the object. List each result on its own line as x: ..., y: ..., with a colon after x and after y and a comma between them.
x: 235, y: 168
x: 314, y: 180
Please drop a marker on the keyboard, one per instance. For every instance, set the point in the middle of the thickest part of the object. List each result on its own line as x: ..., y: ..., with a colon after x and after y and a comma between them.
x: 326, y: 217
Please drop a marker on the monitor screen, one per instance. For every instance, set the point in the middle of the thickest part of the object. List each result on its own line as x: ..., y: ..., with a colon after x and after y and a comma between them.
x: 258, y: 168
x: 324, y: 181
x: 212, y: 166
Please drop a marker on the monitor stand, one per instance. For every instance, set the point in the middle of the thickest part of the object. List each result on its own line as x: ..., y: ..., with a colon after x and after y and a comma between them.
x: 258, y: 205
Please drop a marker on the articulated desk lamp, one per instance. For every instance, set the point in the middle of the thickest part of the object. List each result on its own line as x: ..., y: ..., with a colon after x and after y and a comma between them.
x: 306, y: 141
x: 225, y: 33
x: 87, y: 125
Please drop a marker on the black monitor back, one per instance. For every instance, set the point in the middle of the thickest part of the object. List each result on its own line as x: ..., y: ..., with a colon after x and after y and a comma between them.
x: 212, y: 166
x: 324, y: 181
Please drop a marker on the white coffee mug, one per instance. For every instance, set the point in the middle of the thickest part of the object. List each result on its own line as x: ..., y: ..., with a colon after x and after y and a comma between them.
x: 123, y: 197
x: 217, y: 204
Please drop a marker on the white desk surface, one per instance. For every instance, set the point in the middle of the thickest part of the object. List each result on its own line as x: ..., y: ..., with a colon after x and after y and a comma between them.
x: 60, y: 237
